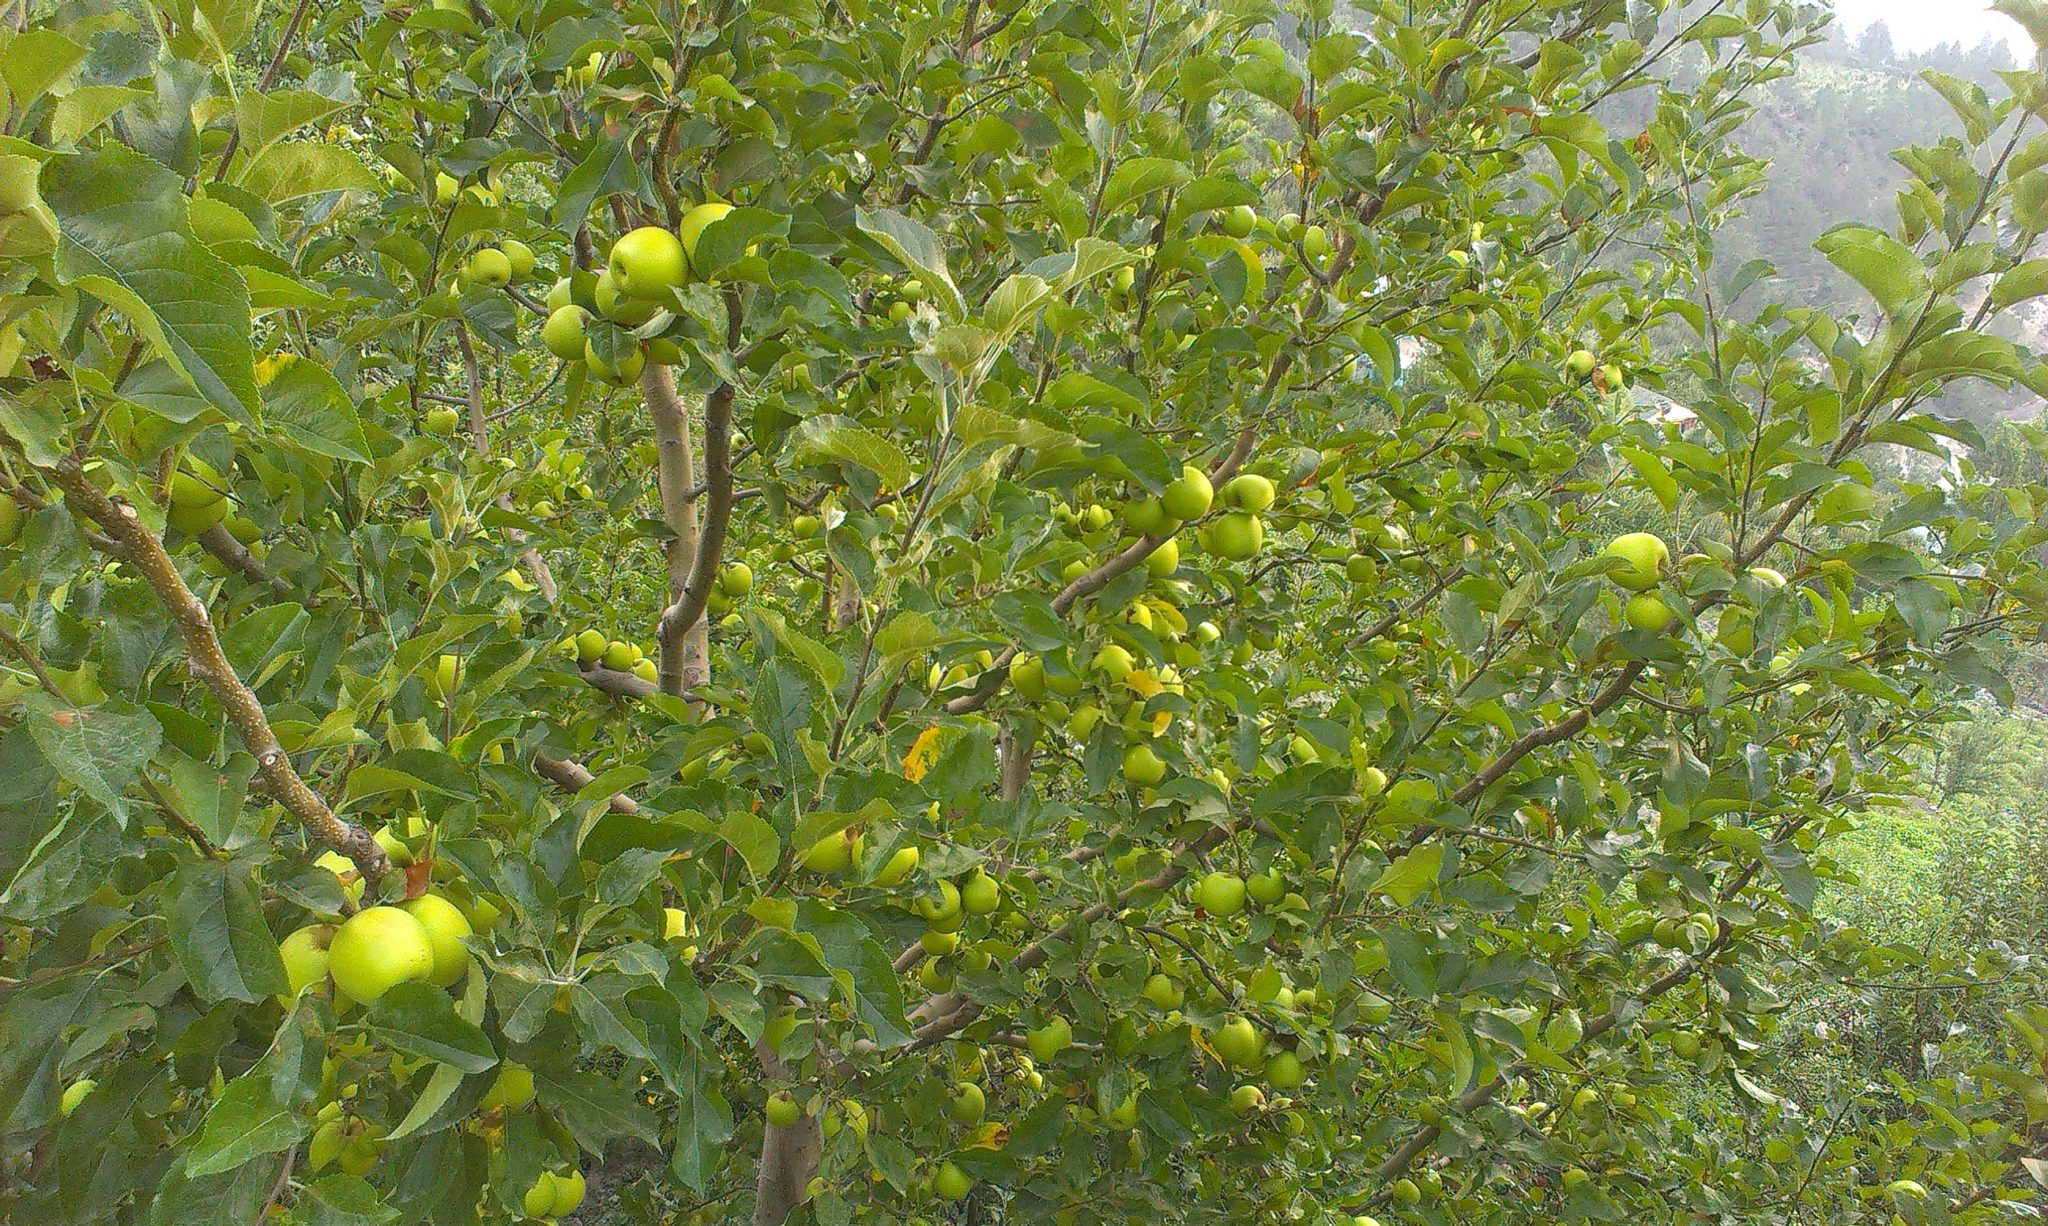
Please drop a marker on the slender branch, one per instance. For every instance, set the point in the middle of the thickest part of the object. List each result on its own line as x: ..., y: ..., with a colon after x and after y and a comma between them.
x: 269, y: 78
x: 573, y: 777
x: 210, y: 665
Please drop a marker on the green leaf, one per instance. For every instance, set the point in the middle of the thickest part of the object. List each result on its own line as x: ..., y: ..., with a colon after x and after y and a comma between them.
x: 831, y: 436
x: 1139, y: 176
x: 610, y: 169
x: 219, y: 936
x: 1654, y: 474
x: 1407, y: 878
x: 308, y: 406
x: 910, y: 242
x: 266, y: 118
x: 244, y: 1122
x: 420, y: 1019
x: 336, y: 1199
x: 823, y: 662
x: 99, y: 750
x: 126, y: 241
x: 1881, y: 264
x: 34, y: 60
x: 290, y: 170
x: 595, y: 1109
x: 754, y: 839
x: 209, y: 796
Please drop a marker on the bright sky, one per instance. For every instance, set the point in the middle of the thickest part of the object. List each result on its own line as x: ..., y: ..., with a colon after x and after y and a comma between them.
x: 1917, y: 24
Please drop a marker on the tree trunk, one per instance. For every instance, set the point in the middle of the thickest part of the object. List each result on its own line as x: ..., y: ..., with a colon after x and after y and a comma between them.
x: 685, y: 654
x: 789, y: 1157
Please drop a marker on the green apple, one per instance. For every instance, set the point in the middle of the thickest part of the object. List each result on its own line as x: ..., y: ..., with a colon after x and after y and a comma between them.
x: 645, y: 669
x: 1737, y: 631
x: 1163, y: 561
x: 1611, y: 375
x: 1047, y: 1041
x: 1647, y: 557
x: 736, y: 579
x: 1315, y: 243
x: 980, y: 895
x: 445, y: 926
x: 1162, y: 990
x: 647, y: 263
x: 441, y: 682
x: 617, y: 305
x: 305, y: 958
x: 1207, y: 632
x: 1647, y: 611
x: 74, y: 1094
x: 590, y: 645
x: 625, y: 372
x: 782, y: 1110
x: 539, y: 1201
x: 692, y: 228
x: 1247, y: 1100
x: 519, y: 256
x: 619, y: 656
x: 1027, y: 676
x: 345, y: 871
x: 568, y: 1192
x: 1143, y: 767
x: 488, y: 267
x: 1237, y: 536
x: 11, y: 518
x: 1220, y: 893
x: 940, y: 907
x: 377, y: 949
x: 834, y: 854
x: 951, y: 1183
x: 1188, y: 496
x: 563, y: 333
x: 440, y: 422
x: 1580, y: 364
x: 1361, y: 569
x: 1113, y: 662
x: 1238, y: 220
x: 446, y: 187
x: 196, y: 505
x: 1247, y: 492
x: 901, y: 863
x: 967, y: 1103
x: 1239, y: 1042
x: 511, y: 1090
x: 1284, y: 1071
x: 1266, y: 888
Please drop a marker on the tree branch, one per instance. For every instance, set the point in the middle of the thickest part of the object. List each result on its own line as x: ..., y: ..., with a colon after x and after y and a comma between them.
x: 210, y: 665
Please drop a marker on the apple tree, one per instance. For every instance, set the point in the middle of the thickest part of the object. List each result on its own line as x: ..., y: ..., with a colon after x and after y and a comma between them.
x: 978, y: 611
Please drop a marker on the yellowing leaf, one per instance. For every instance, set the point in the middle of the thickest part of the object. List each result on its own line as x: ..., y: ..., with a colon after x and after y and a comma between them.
x: 923, y: 752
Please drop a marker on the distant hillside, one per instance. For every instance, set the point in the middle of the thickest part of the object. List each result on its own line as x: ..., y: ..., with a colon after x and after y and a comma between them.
x: 1829, y: 131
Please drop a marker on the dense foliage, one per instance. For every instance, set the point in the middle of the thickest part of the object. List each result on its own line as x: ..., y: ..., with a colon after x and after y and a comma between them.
x: 1025, y: 611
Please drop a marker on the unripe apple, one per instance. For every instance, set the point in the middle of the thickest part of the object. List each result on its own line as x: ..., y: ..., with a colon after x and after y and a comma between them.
x: 967, y: 1103
x: 1049, y: 1040
x: 835, y: 853
x: 196, y: 505
x: 1315, y: 243
x: 563, y: 333
x: 511, y: 1090
x: 1188, y: 496
x: 305, y: 958
x: 1143, y: 767
x: 519, y: 256
x: 618, y: 655
x: 1611, y: 375
x: 628, y: 368
x: 1647, y: 611
x: 345, y: 871
x: 377, y: 949
x: 980, y: 895
x: 783, y: 1111
x: 1646, y: 555
x: 1113, y: 662
x: 74, y: 1094
x: 1220, y: 893
x: 1207, y: 632
x: 941, y: 907
x: 1161, y: 989
x: 1238, y: 220
x: 1266, y: 888
x: 539, y: 1200
x: 1247, y: 492
x: 590, y: 646
x: 617, y: 305
x: 1580, y: 364
x: 1238, y: 1042
x: 691, y: 228
x: 1284, y: 1071
x: 648, y: 262
x: 445, y: 926
x: 804, y: 527
x: 1163, y: 561
x: 901, y: 863
x: 736, y: 579
x: 440, y: 422
x: 1405, y: 1192
x: 488, y: 267
x: 1237, y: 536
x: 441, y: 682
x: 645, y: 669
x: 951, y: 1183
x: 568, y: 1192
x: 446, y: 187
x: 326, y: 1145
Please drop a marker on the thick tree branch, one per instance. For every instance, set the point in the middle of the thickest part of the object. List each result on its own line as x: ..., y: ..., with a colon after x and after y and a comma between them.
x: 572, y: 777
x: 683, y: 641
x: 210, y: 665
